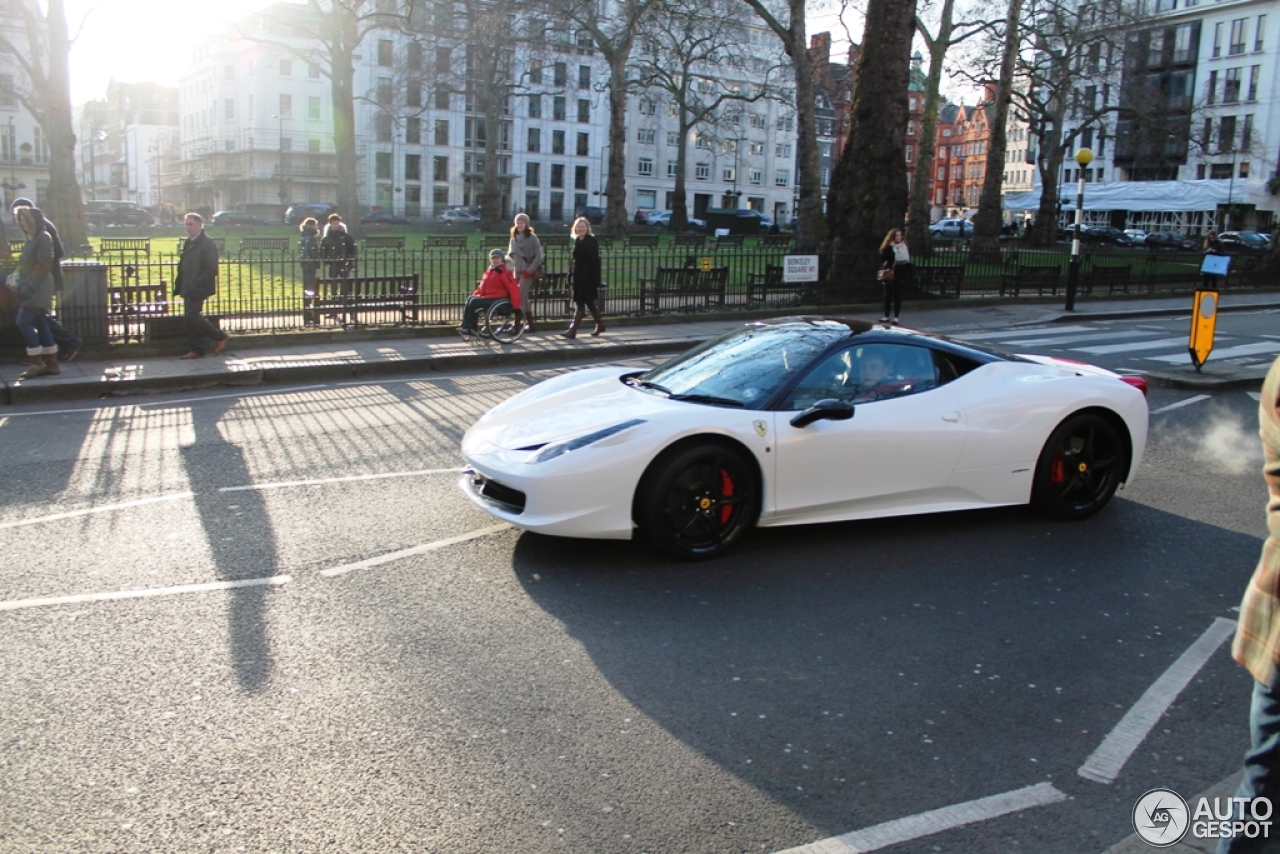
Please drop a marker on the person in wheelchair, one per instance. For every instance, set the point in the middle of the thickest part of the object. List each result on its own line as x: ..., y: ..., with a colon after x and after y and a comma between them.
x: 498, y: 283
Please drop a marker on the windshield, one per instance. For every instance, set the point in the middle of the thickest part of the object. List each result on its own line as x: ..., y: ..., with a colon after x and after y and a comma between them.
x: 745, y: 367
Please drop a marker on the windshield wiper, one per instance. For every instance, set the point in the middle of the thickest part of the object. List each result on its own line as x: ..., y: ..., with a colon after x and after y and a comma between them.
x: 647, y: 384
x: 707, y: 398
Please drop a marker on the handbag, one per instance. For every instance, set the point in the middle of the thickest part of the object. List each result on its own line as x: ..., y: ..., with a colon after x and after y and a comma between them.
x: 885, y: 275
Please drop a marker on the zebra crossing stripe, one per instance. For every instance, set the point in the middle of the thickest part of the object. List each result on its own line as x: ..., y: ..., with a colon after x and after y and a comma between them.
x: 1022, y: 333
x: 1259, y: 347
x: 1135, y: 346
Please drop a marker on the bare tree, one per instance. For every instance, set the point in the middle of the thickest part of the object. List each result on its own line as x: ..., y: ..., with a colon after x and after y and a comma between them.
x: 328, y: 39
x: 614, y: 36
x: 45, y: 92
x: 811, y: 225
x: 986, y: 224
x: 688, y: 50
x: 868, y: 193
x: 949, y: 34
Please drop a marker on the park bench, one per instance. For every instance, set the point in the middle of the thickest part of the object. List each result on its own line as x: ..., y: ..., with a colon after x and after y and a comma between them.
x: 552, y: 296
x: 391, y: 243
x: 445, y: 241
x: 605, y: 240
x: 761, y: 285
x: 1110, y: 276
x: 728, y: 241
x: 645, y: 241
x: 683, y: 288
x: 555, y: 241
x: 1038, y: 276
x: 349, y: 300
x: 265, y: 246
x: 138, y: 300
x: 939, y: 278
x: 219, y: 242
x: 689, y: 240
x: 776, y: 240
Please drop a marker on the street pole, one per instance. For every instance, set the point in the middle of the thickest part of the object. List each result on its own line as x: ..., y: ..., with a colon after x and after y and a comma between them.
x: 1083, y: 158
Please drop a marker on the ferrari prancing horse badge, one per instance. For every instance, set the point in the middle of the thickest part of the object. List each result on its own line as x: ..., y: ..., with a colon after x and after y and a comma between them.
x: 761, y: 428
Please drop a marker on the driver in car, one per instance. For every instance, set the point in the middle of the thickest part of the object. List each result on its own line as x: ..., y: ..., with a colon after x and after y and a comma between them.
x: 875, y: 377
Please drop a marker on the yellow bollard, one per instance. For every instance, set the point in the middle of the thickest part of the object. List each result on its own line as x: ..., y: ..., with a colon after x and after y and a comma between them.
x: 1204, y: 319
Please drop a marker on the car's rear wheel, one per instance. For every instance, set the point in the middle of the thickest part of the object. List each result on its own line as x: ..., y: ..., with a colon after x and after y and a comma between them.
x: 698, y: 501
x: 1079, y: 468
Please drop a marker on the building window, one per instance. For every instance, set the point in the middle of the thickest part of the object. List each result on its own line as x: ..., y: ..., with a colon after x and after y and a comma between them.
x: 1217, y: 40
x: 1231, y: 87
x: 756, y: 121
x: 645, y: 136
x: 560, y: 75
x: 286, y: 68
x: 473, y: 133
x: 558, y: 109
x: 702, y: 172
x: 382, y: 127
x: 645, y: 167
x: 228, y: 108
x: 911, y: 153
x: 313, y: 146
x: 557, y: 175
x: 1226, y: 134
x: 911, y: 128
x: 440, y: 168
x: 413, y: 167
x: 534, y: 141
x: 386, y: 51
x: 286, y: 106
x: 442, y: 132
x: 557, y: 142
x: 1211, y: 89
x: 728, y: 174
x: 532, y: 174
x: 313, y: 107
x: 584, y: 145
x: 584, y: 110
x: 786, y: 123
x: 586, y: 46
x: 782, y: 149
x: 782, y: 178
x: 383, y: 92
x: 442, y: 98
x: 1236, y: 45
x: 671, y: 169
x: 413, y: 130
x: 755, y: 176
x: 673, y: 138
x: 382, y: 165
x: 584, y: 76
x: 702, y: 141
x: 535, y: 106
x: 1253, y: 83
x: 580, y: 177
x: 1258, y: 33
x: 648, y: 107
x: 313, y: 71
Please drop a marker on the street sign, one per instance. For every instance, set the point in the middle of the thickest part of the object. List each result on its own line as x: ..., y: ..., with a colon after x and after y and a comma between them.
x: 1204, y: 319
x: 800, y: 268
x: 705, y: 263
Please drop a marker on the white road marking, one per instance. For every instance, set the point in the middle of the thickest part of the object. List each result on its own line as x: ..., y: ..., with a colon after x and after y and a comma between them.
x: 1180, y: 404
x: 1256, y: 395
x: 109, y: 508
x: 1107, y: 761
x: 414, y: 550
x: 17, y: 604
x: 1076, y: 339
x: 934, y: 821
x: 1268, y: 347
x: 1022, y: 333
x: 285, y: 484
x: 1134, y: 346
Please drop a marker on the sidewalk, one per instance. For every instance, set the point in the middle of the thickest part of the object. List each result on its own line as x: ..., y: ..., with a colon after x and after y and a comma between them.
x: 292, y: 358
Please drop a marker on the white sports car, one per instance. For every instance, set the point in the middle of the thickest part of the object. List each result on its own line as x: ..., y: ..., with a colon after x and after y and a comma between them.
x: 802, y: 420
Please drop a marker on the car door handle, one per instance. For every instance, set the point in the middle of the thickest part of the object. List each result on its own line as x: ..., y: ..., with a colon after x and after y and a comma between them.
x: 953, y: 417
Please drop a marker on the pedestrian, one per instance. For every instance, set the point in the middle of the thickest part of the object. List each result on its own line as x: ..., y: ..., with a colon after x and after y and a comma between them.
x: 197, y: 281
x: 69, y: 343
x: 895, y: 273
x: 309, y: 258
x: 497, y: 283
x: 339, y: 248
x: 584, y: 277
x: 33, y: 281
x: 1257, y: 640
x: 1212, y: 246
x: 525, y: 251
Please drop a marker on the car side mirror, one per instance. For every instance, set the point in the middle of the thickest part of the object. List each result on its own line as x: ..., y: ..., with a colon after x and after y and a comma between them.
x: 828, y: 409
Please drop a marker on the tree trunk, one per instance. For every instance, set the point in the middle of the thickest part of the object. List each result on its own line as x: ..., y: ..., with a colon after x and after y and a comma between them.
x: 344, y: 139
x: 615, y: 217
x: 986, y: 223
x: 65, y: 206
x: 811, y: 223
x: 1045, y: 231
x: 921, y: 204
x: 868, y: 194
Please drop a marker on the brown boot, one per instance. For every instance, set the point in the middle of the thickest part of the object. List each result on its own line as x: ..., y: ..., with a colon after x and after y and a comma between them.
x: 36, y: 367
x: 595, y: 315
x: 51, y: 364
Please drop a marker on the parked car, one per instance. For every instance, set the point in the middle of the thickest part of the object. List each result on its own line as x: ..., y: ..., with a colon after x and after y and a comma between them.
x: 675, y: 454
x: 237, y: 218
x: 295, y: 214
x: 459, y: 216
x: 593, y: 213
x: 1170, y: 240
x: 766, y: 222
x: 1137, y: 235
x: 108, y: 213
x: 383, y: 218
x: 951, y: 228
x: 658, y: 218
x: 1105, y: 234
x: 1244, y: 243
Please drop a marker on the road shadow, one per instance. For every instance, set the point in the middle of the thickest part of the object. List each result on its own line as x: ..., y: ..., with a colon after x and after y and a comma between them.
x: 944, y: 657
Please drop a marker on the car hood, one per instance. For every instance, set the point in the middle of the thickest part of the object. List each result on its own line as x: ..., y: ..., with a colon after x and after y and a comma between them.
x: 568, y: 406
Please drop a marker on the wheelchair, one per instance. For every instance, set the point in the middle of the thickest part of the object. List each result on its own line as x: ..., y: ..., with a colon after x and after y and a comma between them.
x: 499, y: 322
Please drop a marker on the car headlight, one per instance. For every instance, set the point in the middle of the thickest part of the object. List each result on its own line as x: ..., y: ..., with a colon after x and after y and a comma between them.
x: 556, y: 449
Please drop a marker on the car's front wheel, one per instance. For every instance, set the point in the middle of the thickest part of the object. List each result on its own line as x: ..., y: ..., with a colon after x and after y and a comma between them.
x: 1079, y: 468
x: 697, y: 501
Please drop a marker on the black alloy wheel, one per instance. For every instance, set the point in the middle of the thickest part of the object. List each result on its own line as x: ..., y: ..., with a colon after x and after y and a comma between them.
x: 1079, y: 468
x: 697, y: 502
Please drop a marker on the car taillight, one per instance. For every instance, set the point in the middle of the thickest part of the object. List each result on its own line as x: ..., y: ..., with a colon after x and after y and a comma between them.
x: 1140, y: 383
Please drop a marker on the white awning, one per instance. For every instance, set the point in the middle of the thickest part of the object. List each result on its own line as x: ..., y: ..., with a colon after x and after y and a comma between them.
x: 1158, y: 196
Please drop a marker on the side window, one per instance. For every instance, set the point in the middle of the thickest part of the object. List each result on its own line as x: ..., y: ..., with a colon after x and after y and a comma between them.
x: 869, y: 373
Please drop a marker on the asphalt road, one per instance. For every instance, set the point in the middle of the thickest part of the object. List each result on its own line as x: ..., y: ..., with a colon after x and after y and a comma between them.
x: 360, y: 662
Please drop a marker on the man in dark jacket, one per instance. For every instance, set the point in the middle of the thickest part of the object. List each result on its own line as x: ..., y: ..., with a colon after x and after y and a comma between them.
x: 338, y: 248
x: 197, y: 281
x: 69, y: 343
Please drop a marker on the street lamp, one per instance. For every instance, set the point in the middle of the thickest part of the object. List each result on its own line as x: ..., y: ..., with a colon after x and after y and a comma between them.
x: 737, y: 159
x: 1083, y: 158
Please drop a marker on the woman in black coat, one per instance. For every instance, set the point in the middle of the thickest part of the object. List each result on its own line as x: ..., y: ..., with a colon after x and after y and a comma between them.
x: 584, y: 277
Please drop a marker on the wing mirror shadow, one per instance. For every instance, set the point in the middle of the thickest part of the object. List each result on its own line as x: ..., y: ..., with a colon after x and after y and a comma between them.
x: 828, y: 409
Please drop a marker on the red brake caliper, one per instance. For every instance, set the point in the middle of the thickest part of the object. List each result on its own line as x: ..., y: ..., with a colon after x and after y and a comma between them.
x: 726, y: 491
x: 1057, y: 471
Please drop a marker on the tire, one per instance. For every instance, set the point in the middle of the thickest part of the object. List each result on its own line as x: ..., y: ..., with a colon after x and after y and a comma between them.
x: 696, y: 502
x: 1079, y: 468
x: 503, y: 324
